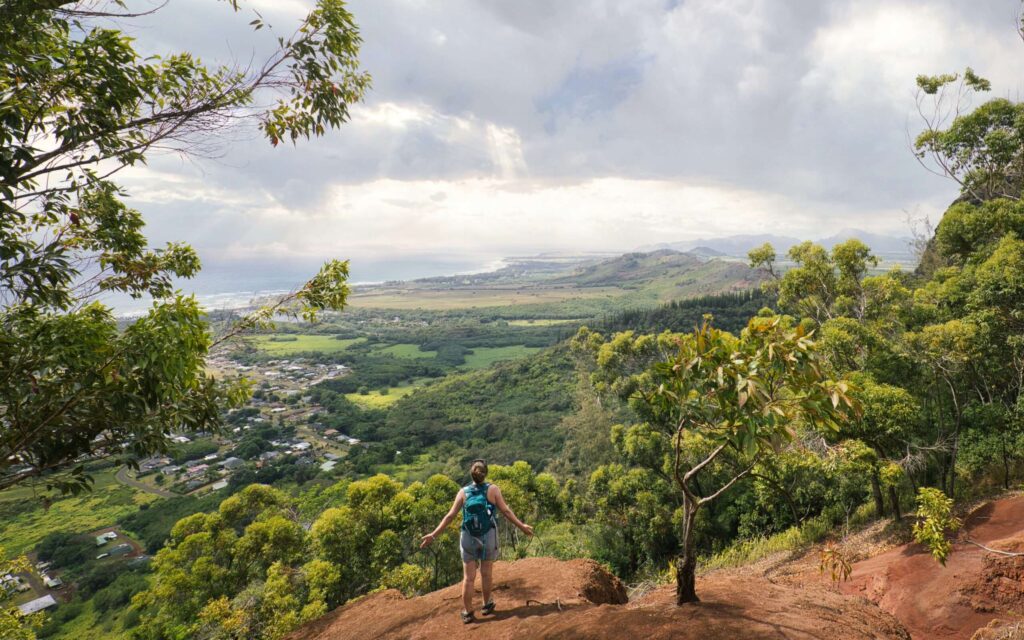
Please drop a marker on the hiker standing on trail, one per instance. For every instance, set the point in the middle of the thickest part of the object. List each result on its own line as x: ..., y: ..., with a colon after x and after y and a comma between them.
x: 479, y: 539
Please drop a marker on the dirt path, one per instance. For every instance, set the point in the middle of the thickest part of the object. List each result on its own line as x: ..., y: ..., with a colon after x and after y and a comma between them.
x: 547, y: 598
x: 954, y: 601
x: 122, y: 477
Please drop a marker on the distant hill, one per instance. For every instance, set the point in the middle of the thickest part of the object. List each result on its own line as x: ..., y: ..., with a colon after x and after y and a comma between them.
x: 583, y: 288
x: 706, y: 252
x: 736, y: 246
x: 881, y: 245
x: 884, y: 246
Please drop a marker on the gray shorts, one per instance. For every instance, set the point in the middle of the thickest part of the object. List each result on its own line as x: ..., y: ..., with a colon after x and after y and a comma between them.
x: 473, y: 548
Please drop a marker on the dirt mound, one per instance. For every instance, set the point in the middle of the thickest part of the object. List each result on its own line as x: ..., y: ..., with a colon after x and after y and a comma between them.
x: 951, y: 602
x: 546, y: 598
x: 1000, y: 585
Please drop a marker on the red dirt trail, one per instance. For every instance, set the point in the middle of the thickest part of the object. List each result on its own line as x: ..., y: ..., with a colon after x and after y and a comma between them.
x: 952, y: 602
x: 976, y: 595
x: 547, y: 598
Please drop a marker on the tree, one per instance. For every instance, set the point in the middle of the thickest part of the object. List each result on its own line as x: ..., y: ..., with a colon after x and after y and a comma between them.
x: 743, y: 396
x: 78, y: 103
x: 888, y: 422
x: 264, y: 563
x: 946, y: 350
x: 828, y: 284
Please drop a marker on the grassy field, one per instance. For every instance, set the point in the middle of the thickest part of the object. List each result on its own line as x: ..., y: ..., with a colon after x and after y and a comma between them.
x: 376, y: 400
x: 281, y: 344
x: 483, y: 357
x: 446, y: 299
x: 26, y: 521
x: 405, y: 350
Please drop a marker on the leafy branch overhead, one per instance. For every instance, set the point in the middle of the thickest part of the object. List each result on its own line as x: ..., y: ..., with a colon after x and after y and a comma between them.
x: 79, y: 103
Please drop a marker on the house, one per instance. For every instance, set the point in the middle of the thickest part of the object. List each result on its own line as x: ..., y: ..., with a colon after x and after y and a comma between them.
x: 152, y: 463
x: 103, y: 538
x: 37, y: 605
x: 327, y: 466
x: 332, y: 456
x: 268, y: 455
x: 217, y: 486
x: 121, y: 549
x: 232, y: 463
x: 301, y: 446
x: 330, y: 433
x: 180, y: 439
x: 53, y: 582
x: 211, y: 457
x: 170, y: 470
x: 198, y: 469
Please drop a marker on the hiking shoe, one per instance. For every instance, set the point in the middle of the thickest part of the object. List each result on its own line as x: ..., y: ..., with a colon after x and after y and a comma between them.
x: 467, y: 617
x: 488, y: 608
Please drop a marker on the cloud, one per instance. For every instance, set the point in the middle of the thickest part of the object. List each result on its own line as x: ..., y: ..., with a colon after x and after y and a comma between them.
x: 499, y: 127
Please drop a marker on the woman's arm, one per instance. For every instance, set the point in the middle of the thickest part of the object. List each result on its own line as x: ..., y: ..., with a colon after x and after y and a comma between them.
x: 498, y: 500
x: 447, y: 520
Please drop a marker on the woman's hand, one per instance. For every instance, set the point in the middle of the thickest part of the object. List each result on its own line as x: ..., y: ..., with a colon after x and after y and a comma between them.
x: 426, y: 540
x: 527, y: 529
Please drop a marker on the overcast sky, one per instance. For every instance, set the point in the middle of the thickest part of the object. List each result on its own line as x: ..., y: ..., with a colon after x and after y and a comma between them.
x: 500, y: 127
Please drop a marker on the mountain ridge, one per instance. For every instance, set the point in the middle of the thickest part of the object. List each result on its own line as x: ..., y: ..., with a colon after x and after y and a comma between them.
x: 738, y: 245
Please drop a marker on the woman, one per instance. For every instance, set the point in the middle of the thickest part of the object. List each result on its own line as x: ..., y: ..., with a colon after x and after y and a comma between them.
x: 479, y: 538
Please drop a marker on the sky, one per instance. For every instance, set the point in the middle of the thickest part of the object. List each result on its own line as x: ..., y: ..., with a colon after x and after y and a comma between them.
x: 498, y: 127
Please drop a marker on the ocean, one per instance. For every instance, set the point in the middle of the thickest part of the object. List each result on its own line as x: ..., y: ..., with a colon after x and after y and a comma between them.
x: 233, y: 285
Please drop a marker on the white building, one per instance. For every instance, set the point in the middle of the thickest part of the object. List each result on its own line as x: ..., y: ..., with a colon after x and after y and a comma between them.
x: 34, y: 606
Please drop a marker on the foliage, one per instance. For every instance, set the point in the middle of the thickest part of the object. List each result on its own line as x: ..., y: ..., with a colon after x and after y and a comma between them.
x: 13, y: 624
x: 935, y: 521
x: 505, y: 413
x: 153, y: 525
x: 64, y: 549
x: 78, y: 104
x: 739, y: 396
x: 254, y: 568
x: 27, y: 520
x: 834, y: 559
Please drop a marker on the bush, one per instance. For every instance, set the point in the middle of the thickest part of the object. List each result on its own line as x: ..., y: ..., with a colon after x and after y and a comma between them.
x: 935, y: 519
x: 119, y: 593
x: 64, y: 549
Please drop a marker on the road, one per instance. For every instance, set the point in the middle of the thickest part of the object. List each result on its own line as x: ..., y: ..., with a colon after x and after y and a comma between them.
x: 122, y: 477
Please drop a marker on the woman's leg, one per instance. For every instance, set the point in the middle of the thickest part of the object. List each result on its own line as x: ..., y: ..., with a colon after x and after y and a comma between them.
x: 486, y: 568
x: 468, y: 578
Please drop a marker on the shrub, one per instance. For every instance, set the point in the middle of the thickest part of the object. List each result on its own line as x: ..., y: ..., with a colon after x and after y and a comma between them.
x: 935, y: 519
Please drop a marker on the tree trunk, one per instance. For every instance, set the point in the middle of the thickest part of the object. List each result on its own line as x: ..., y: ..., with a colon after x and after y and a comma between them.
x: 686, y: 567
x: 876, y: 491
x: 952, y: 456
x: 894, y: 500
x: 1006, y: 462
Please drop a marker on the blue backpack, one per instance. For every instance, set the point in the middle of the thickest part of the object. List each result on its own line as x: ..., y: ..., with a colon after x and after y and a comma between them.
x: 477, y: 511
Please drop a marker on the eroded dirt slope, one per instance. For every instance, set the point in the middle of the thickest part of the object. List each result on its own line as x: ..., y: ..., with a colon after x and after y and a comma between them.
x: 547, y: 598
x: 952, y: 602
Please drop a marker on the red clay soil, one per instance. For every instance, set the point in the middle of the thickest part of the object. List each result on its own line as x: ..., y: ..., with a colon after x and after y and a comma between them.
x: 952, y: 602
x: 547, y: 598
